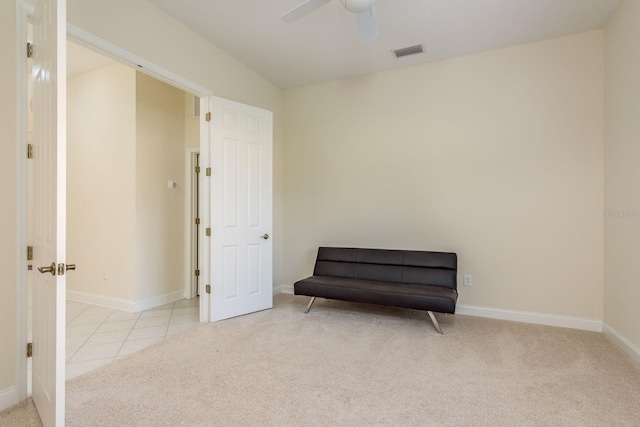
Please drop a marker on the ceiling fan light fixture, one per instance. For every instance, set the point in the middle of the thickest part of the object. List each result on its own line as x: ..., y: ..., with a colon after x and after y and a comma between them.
x: 358, y: 6
x: 363, y: 9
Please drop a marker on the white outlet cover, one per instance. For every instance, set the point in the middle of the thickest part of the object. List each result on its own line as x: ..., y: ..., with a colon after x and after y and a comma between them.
x: 467, y: 280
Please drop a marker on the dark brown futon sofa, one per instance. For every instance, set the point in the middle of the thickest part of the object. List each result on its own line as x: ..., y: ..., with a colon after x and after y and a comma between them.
x: 418, y: 280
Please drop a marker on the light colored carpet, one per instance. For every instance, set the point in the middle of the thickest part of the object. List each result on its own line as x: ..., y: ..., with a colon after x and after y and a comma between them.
x: 21, y: 415
x: 353, y: 364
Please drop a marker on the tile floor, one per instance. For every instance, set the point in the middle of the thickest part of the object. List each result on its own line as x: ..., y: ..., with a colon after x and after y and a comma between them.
x: 97, y: 335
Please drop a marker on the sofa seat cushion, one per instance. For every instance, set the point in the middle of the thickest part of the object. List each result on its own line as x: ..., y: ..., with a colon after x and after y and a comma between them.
x: 406, y: 295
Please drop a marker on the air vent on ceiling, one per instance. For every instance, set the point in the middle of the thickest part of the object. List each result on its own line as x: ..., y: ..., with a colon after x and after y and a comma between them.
x: 406, y: 51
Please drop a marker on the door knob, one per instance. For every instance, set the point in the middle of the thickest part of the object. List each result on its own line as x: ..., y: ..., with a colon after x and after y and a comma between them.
x: 265, y: 236
x: 51, y: 269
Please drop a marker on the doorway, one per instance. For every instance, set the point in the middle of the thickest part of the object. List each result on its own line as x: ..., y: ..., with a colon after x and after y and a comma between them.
x: 127, y: 134
x: 108, y: 313
x: 193, y: 219
x: 205, y: 185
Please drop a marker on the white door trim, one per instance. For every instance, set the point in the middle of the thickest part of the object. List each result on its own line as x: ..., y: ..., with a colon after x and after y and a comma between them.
x: 204, y: 249
x: 24, y: 11
x: 119, y: 54
x: 190, y: 193
x: 87, y: 39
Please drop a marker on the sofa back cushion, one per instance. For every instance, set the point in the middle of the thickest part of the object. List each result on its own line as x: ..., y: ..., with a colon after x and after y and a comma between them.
x: 396, y: 266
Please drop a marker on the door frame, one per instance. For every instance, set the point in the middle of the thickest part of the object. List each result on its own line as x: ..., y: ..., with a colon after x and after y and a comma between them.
x: 189, y: 234
x: 24, y: 11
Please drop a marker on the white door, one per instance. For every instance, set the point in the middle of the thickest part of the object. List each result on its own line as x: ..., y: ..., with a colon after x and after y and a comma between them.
x: 49, y: 210
x: 241, y: 209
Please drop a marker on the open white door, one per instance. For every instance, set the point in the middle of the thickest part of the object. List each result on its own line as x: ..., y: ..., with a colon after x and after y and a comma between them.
x: 49, y: 210
x: 241, y: 209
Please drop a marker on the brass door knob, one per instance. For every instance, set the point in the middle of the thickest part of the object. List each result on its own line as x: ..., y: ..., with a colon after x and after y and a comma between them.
x: 265, y: 236
x: 50, y: 269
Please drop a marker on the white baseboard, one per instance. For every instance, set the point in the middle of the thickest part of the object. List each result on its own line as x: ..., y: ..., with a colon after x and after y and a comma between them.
x: 8, y: 398
x: 123, y: 304
x: 149, y: 303
x: 621, y: 341
x: 529, y: 317
x: 512, y: 315
x: 101, y: 300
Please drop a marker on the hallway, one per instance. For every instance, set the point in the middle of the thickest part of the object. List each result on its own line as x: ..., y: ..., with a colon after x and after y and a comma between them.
x: 97, y: 335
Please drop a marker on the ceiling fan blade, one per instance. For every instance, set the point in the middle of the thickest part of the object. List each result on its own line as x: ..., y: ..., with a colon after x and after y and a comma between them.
x: 368, y: 24
x: 303, y: 9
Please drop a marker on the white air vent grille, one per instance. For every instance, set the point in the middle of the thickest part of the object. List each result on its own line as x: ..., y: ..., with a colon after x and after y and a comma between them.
x: 196, y: 107
x: 406, y: 51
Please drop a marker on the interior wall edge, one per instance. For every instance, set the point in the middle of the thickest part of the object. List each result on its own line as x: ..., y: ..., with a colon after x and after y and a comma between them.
x: 622, y: 342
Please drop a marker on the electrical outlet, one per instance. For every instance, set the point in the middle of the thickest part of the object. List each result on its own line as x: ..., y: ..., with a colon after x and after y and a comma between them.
x: 467, y: 280
x: 105, y: 275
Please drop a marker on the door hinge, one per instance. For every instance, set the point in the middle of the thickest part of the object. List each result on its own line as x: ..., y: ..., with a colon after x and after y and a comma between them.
x: 197, y: 169
x: 208, y: 171
x: 208, y: 117
x: 29, y: 349
x: 29, y: 257
x: 29, y: 151
x: 197, y: 273
x: 29, y: 50
x: 208, y: 289
x: 197, y: 221
x: 208, y: 232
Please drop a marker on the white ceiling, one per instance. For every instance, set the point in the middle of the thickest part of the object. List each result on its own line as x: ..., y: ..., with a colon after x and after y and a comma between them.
x: 325, y: 45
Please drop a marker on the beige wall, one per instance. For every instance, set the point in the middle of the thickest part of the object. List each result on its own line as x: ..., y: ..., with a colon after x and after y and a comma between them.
x: 8, y: 135
x: 101, y: 177
x: 496, y: 156
x: 622, y: 151
x: 143, y: 29
x: 159, y: 230
x: 126, y: 138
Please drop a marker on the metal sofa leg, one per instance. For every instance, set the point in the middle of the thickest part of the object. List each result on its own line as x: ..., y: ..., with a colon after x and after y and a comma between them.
x: 310, y: 304
x: 433, y: 319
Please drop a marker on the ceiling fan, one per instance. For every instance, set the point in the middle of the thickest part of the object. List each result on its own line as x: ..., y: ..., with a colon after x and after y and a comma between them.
x: 364, y: 10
